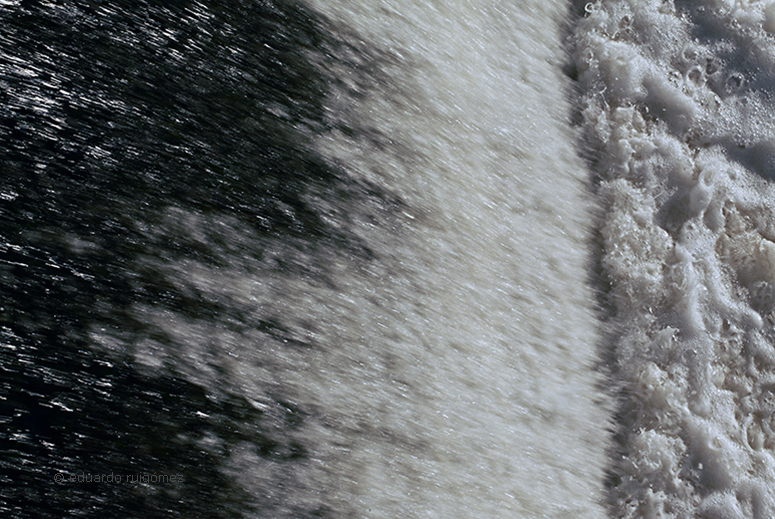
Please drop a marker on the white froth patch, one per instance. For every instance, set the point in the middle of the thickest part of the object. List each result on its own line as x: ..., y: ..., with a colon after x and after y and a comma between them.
x: 682, y: 127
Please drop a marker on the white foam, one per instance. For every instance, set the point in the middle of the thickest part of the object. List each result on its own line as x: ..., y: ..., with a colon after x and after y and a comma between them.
x: 678, y: 103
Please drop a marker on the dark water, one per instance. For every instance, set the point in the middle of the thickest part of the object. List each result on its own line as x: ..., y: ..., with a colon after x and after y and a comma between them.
x: 115, y: 121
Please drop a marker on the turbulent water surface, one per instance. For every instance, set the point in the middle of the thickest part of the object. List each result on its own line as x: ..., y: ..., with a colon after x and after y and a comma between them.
x: 678, y: 102
x: 283, y: 259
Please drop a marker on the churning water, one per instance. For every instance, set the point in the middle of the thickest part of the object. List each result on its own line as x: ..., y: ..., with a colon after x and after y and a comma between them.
x: 283, y: 259
x: 678, y: 101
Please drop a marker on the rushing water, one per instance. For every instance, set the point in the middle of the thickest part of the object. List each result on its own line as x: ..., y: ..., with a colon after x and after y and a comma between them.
x: 284, y: 259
